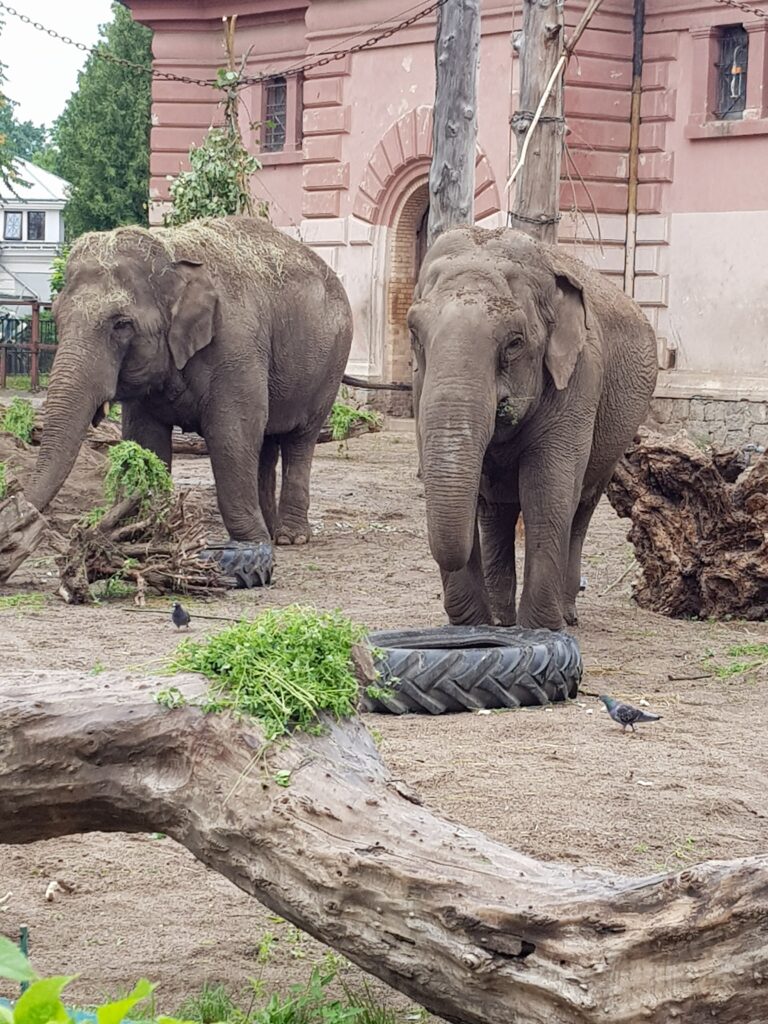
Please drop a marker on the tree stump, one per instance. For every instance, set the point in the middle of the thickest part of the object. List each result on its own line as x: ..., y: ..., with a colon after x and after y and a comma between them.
x: 470, y: 929
x: 699, y: 528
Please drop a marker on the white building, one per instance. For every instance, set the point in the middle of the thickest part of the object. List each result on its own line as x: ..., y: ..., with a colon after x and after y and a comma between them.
x: 32, y: 231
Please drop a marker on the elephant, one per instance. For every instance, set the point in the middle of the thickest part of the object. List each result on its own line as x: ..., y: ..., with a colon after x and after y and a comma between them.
x: 223, y: 326
x: 533, y: 374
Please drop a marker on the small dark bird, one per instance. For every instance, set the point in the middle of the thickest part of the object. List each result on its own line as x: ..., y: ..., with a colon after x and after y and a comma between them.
x: 626, y: 715
x: 180, y: 616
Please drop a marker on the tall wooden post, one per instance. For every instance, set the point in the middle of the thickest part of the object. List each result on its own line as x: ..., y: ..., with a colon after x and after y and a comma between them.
x: 541, y: 46
x: 454, y: 133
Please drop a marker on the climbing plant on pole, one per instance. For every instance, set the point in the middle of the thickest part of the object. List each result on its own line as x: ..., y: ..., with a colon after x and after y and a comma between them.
x: 218, y: 182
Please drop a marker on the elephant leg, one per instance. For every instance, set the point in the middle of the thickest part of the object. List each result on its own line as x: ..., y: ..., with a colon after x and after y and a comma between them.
x: 139, y: 426
x: 547, y: 497
x: 465, y: 598
x: 235, y: 451
x: 497, y: 532
x: 270, y: 450
x: 296, y: 451
x: 581, y: 521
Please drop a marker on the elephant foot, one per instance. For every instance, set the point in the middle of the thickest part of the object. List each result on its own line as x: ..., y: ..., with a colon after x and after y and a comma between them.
x: 297, y: 534
x: 250, y: 563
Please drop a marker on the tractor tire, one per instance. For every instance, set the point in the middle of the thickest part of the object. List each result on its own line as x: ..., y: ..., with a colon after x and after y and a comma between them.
x: 472, y: 668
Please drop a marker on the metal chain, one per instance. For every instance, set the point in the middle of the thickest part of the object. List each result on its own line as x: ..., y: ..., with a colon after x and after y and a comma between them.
x: 169, y: 76
x: 744, y: 7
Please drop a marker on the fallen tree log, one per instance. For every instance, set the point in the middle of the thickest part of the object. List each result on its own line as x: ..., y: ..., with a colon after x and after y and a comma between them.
x: 699, y: 528
x: 475, y: 932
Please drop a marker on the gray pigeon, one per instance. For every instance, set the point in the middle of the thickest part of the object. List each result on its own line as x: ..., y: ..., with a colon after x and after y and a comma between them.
x: 626, y: 715
x: 180, y: 616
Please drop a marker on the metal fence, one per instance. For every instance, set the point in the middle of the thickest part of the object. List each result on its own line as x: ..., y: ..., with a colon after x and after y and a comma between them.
x: 27, y: 346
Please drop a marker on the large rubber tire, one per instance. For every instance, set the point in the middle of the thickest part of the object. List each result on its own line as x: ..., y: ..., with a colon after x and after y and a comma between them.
x: 472, y: 668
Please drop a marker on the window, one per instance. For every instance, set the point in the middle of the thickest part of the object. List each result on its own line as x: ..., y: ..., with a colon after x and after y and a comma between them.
x: 36, y: 226
x: 12, y: 230
x: 732, y: 73
x: 275, y: 115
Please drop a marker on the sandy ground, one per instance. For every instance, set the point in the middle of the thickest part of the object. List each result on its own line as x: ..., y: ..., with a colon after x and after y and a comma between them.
x: 561, y: 783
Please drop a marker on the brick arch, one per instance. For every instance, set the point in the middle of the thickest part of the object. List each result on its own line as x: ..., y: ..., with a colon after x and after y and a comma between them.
x: 400, y: 158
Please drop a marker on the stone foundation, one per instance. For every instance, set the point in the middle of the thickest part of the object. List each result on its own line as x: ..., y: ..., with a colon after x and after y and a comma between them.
x: 722, y: 424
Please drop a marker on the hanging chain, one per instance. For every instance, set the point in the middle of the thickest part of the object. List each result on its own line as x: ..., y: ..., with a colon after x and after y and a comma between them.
x: 112, y: 58
x: 744, y: 7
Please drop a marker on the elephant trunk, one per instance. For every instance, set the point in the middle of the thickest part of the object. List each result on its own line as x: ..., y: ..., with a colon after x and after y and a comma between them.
x: 455, y: 429
x: 75, y: 400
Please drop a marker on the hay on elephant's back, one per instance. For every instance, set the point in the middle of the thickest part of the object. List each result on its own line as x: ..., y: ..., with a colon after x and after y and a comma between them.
x: 237, y: 249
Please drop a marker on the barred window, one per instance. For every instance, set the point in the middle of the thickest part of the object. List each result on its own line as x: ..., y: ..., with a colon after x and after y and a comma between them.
x: 12, y: 228
x: 732, y: 73
x: 36, y: 225
x: 275, y: 115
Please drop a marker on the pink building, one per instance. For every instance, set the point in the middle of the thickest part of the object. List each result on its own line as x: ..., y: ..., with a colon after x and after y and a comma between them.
x: 346, y: 165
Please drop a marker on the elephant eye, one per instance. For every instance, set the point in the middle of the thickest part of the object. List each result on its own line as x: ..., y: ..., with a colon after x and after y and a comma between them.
x: 122, y: 323
x: 511, y: 347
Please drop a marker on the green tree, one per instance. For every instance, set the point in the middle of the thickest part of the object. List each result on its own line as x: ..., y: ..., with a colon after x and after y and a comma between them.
x: 9, y: 174
x: 103, y: 134
x: 24, y: 137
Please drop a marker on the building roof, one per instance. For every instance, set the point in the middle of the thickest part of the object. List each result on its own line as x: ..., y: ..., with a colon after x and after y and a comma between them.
x: 43, y: 187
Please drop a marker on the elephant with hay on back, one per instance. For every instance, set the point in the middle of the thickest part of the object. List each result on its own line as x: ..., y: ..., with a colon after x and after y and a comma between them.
x: 226, y: 327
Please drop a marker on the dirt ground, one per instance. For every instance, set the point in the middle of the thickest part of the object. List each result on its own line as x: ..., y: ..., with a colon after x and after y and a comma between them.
x: 561, y: 783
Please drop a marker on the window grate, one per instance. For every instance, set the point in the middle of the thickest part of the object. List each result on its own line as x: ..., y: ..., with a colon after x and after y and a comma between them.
x: 275, y: 114
x: 36, y: 225
x: 732, y: 73
x: 12, y: 226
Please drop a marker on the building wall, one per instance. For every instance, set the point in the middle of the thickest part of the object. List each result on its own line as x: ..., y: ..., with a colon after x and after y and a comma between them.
x: 355, y: 189
x: 30, y: 262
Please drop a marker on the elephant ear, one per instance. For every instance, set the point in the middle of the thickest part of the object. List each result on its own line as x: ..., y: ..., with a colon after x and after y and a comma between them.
x: 193, y: 312
x: 569, y: 331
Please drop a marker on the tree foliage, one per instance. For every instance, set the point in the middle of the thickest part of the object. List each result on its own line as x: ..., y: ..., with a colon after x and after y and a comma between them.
x: 103, y: 134
x: 24, y: 137
x: 9, y: 173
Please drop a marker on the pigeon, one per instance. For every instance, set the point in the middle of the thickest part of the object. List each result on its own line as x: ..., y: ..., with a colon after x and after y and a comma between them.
x: 180, y: 616
x: 626, y: 715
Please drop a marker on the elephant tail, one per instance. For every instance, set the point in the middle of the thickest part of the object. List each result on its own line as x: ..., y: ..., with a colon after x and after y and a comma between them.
x: 357, y: 382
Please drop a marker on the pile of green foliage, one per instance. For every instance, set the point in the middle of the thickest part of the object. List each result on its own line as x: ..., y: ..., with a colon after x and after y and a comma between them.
x: 344, y: 417
x: 19, y: 419
x: 134, y: 470
x: 284, y: 668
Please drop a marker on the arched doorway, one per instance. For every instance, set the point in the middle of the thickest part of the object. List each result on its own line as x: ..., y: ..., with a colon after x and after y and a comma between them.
x: 407, y: 248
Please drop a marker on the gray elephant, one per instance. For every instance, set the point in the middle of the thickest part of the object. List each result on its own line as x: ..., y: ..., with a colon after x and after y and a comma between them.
x: 533, y: 374
x: 226, y: 327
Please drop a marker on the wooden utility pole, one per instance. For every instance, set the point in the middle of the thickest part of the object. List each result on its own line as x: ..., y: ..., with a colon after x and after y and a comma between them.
x: 541, y: 45
x: 454, y: 133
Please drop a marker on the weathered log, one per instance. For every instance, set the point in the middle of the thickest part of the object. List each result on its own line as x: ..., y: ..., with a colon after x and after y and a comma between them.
x: 21, y: 529
x: 699, y: 528
x: 475, y: 932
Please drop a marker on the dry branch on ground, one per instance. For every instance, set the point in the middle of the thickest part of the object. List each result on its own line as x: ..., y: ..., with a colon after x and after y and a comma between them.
x: 699, y: 528
x: 475, y: 932
x: 156, y: 547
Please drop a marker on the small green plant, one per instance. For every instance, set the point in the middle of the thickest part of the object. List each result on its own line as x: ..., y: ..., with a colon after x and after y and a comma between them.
x: 3, y: 481
x: 211, y: 1005
x: 282, y: 777
x: 284, y: 668
x: 116, y: 587
x: 98, y: 668
x: 379, y: 692
x: 19, y: 419
x: 16, y: 602
x: 134, y: 470
x: 344, y: 417
x: 171, y: 697
x: 115, y: 413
